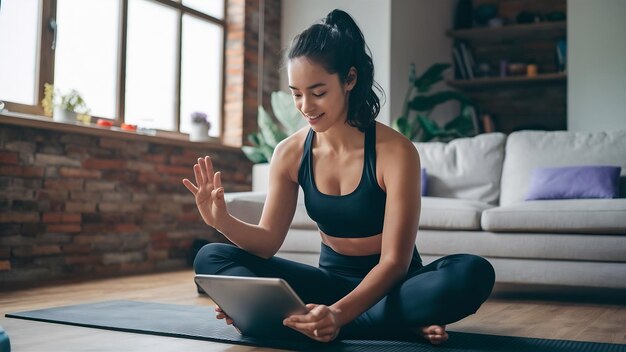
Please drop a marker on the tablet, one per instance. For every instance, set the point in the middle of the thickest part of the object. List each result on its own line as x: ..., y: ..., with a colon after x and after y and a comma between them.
x: 257, y: 306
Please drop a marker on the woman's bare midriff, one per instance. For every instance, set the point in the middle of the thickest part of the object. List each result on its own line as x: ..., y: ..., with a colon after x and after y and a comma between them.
x: 353, y: 246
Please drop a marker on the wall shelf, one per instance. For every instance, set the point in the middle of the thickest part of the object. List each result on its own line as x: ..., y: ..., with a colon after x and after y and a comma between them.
x: 545, y: 30
x: 487, y: 82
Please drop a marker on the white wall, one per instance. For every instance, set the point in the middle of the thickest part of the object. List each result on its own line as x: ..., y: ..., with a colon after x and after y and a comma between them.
x: 418, y: 30
x: 372, y: 16
x: 596, y: 82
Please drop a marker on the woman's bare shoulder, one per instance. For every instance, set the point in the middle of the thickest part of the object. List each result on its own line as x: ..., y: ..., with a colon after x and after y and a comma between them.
x: 288, y: 152
x: 391, y: 144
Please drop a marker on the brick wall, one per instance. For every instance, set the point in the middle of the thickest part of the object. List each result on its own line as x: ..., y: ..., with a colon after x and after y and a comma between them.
x: 80, y: 205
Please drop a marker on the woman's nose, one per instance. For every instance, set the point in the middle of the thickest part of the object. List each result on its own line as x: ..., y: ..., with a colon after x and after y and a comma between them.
x: 307, y: 107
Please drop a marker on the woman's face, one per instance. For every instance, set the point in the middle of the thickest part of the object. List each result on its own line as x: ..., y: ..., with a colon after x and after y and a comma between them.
x: 320, y: 96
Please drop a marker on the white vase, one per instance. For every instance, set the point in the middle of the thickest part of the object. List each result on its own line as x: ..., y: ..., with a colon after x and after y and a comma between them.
x: 62, y: 115
x: 199, y: 132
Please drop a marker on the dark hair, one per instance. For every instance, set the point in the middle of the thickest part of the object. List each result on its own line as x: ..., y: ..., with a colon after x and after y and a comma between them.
x: 337, y: 44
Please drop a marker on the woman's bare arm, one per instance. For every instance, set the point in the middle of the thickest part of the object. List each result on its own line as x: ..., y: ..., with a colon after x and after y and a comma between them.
x: 263, y: 239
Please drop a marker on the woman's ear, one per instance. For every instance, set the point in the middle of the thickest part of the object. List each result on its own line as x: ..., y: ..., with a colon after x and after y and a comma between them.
x: 351, y: 79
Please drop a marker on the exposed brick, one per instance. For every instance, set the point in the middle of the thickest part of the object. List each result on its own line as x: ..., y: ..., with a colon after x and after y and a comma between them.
x: 52, y: 194
x: 116, y: 258
x: 19, y: 217
x: 64, y: 184
x: 115, y: 197
x: 118, y: 207
x: 126, y: 228
x: 64, y: 228
x: 140, y: 166
x: 11, y: 170
x: 51, y: 218
x: 5, y: 265
x: 104, y: 164
x: 99, y: 186
x: 83, y: 259
x: 33, y: 171
x: 72, y: 248
x: 8, y: 158
x: 154, y: 158
x: 82, y: 173
x: 80, y: 207
x: 47, y: 249
x: 113, y: 143
x: 71, y: 218
x: 32, y: 228
x: 157, y: 255
x: 85, y: 196
x: 176, y: 170
x: 53, y: 238
x: 25, y: 205
x: 52, y: 159
x: 20, y: 146
x: 5, y: 252
x: 189, y: 217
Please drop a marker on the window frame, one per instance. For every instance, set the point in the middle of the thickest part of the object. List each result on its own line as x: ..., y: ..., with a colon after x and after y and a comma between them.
x: 47, y: 58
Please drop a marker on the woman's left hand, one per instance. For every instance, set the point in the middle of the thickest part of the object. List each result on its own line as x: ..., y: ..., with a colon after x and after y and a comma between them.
x: 321, y: 323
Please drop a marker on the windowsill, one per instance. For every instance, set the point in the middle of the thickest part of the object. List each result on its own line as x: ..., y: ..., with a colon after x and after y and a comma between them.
x: 176, y: 139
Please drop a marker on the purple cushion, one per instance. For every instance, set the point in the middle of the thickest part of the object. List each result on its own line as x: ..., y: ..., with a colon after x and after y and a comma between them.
x: 574, y: 182
x: 424, y: 179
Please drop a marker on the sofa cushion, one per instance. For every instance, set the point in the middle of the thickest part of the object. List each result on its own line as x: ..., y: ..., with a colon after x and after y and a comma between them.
x: 248, y: 207
x: 574, y: 182
x: 451, y: 213
x: 465, y: 168
x: 526, y: 150
x: 603, y: 216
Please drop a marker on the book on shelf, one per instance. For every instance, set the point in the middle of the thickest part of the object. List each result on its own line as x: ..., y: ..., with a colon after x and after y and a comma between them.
x: 458, y: 63
x: 468, y: 60
x: 488, y: 124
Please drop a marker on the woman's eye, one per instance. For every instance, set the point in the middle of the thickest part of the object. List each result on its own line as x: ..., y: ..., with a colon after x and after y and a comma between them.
x: 296, y: 95
x: 319, y: 95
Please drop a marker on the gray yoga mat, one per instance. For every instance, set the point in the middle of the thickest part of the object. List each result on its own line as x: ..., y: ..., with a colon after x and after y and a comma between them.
x: 199, y: 322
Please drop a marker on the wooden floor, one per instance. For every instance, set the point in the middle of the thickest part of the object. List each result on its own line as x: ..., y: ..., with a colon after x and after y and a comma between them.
x: 505, y: 313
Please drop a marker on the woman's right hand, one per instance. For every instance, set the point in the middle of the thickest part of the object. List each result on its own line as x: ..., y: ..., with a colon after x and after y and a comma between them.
x: 209, y: 192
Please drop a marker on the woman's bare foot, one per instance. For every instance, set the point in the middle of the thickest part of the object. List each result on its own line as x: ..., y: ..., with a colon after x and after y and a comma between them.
x: 435, y: 334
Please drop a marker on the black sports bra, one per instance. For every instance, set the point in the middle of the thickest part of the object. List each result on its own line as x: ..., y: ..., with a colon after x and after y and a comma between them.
x: 357, y: 214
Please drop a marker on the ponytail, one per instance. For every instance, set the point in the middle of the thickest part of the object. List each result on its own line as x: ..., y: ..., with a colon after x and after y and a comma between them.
x: 338, y: 44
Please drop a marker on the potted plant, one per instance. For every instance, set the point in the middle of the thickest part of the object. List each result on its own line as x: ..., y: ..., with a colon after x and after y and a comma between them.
x: 419, y: 126
x: 270, y: 134
x: 63, y: 107
x: 200, y: 126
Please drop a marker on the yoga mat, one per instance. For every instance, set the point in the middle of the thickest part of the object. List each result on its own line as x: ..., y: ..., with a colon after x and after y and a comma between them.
x: 199, y: 322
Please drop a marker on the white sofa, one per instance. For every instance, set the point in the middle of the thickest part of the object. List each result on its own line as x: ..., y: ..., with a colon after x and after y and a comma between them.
x: 475, y: 204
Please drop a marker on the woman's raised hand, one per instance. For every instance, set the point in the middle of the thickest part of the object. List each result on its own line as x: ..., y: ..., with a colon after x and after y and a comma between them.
x: 209, y: 192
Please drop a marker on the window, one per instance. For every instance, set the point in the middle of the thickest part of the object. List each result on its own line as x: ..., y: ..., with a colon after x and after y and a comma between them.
x: 145, y: 62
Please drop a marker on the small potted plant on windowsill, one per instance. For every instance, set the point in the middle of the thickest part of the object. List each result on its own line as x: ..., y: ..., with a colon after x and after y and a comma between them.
x: 63, y: 107
x: 200, y: 126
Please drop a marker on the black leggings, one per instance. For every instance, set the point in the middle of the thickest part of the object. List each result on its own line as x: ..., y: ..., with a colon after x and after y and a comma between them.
x: 442, y: 292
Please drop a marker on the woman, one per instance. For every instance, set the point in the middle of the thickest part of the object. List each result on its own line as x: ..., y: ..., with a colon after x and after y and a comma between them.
x: 361, y: 185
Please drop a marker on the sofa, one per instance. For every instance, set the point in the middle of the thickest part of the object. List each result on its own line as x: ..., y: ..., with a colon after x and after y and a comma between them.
x: 474, y: 202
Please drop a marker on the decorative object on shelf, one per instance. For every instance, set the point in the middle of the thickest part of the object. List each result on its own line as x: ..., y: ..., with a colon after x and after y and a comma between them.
x: 128, y: 127
x: 516, y: 68
x: 528, y: 17
x: 200, y: 127
x: 531, y: 70
x: 104, y: 123
x: 420, y: 127
x: 555, y: 16
x: 270, y: 133
x: 483, y: 13
x: 63, y: 107
x: 495, y: 22
x: 1, y: 106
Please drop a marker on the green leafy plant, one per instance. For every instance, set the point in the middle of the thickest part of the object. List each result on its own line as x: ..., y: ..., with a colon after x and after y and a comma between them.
x: 271, y: 133
x: 419, y: 126
x: 72, y: 101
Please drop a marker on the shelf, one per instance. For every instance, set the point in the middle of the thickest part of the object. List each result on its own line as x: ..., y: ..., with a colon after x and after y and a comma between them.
x: 543, y: 30
x: 508, y: 81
